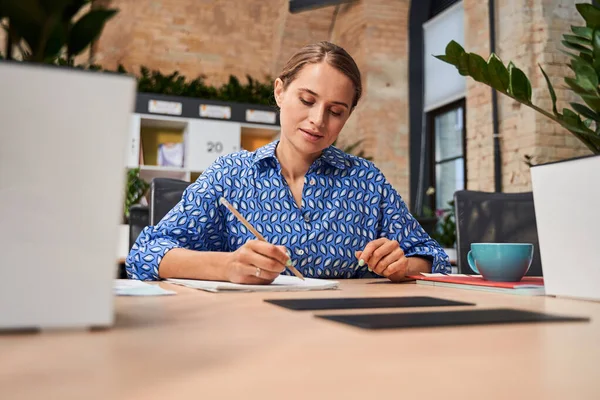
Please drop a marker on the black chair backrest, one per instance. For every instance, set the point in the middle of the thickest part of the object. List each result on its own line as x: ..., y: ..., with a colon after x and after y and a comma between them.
x: 165, y: 193
x: 495, y: 218
x: 139, y: 218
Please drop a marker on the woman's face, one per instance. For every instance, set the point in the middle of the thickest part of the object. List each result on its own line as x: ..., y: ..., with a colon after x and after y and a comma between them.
x: 314, y: 107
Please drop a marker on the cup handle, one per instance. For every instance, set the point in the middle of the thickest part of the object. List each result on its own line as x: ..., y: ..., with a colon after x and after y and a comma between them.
x: 471, y: 262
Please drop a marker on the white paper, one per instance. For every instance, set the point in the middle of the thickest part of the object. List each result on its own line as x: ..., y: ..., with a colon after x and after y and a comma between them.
x: 282, y: 283
x: 131, y: 287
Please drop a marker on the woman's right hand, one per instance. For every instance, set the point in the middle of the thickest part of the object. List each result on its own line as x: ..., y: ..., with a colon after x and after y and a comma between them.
x: 257, y: 263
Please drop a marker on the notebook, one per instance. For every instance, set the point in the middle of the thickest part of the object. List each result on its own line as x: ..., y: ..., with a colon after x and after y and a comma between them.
x: 529, y: 285
x: 131, y: 287
x: 282, y: 283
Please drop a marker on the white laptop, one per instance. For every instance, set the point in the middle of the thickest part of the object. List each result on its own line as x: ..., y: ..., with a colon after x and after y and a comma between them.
x: 566, y: 197
x: 63, y: 135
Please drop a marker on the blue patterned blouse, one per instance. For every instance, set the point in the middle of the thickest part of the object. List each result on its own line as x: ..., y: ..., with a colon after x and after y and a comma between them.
x: 346, y: 203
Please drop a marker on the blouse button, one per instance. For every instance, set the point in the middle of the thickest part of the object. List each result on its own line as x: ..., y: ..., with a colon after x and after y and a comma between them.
x: 312, y: 181
x: 300, y: 252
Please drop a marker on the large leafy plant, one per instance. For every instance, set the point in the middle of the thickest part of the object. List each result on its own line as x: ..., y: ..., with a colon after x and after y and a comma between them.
x: 45, y: 31
x: 583, y: 49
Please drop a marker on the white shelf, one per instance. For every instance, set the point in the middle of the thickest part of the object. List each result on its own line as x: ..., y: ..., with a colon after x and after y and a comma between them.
x: 160, y: 168
x: 204, y: 140
x: 149, y: 172
x: 259, y: 126
x: 154, y: 121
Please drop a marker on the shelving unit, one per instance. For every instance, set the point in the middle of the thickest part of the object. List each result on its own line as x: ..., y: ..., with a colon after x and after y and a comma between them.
x: 207, y: 129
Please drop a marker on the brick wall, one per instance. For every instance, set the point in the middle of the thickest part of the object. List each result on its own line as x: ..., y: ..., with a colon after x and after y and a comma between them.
x: 256, y: 37
x: 348, y: 31
x: 214, y: 38
x: 383, y: 117
x: 479, y: 145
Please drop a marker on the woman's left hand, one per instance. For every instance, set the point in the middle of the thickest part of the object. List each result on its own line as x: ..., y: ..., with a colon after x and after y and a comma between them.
x: 385, y: 258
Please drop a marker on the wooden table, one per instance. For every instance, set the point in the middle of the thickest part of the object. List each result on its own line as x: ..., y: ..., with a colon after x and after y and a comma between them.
x: 199, y: 345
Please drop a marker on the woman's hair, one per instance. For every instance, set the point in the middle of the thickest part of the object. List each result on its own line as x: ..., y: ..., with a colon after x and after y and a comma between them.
x: 323, y: 51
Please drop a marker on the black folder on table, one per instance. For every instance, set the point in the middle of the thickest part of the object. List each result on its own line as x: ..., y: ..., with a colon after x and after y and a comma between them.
x: 447, y: 318
x: 363, y: 302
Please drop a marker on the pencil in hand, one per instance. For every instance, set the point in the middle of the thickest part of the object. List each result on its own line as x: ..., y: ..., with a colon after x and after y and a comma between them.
x: 256, y: 233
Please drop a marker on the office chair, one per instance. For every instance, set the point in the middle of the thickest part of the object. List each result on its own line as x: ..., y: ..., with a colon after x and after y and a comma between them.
x: 139, y: 218
x: 495, y: 218
x: 165, y: 193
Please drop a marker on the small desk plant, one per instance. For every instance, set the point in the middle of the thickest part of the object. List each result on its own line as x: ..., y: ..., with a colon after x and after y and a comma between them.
x: 445, y: 230
x: 583, y: 119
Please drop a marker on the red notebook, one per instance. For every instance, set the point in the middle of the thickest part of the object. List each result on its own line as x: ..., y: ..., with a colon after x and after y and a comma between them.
x: 532, y: 285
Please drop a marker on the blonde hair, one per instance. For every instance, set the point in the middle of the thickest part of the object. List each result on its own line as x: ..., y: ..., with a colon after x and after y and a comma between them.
x: 316, y: 53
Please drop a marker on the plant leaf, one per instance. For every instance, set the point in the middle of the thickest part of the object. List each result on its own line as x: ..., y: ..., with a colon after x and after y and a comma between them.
x: 573, y: 84
x: 596, y: 50
x: 577, y: 40
x: 478, y: 68
x: 591, y: 100
x: 26, y: 19
x: 463, y: 64
x: 56, y: 41
x: 585, y: 111
x: 585, y: 134
x: 586, y: 76
x: 551, y: 90
x: 587, y: 60
x: 445, y: 59
x: 582, y: 31
x: 454, y: 51
x: 520, y: 87
x: 54, y: 6
x: 499, y: 78
x: 87, y: 29
x: 73, y: 8
x: 574, y: 124
x: 579, y: 48
x: 24, y: 10
x: 586, y: 57
x: 590, y: 13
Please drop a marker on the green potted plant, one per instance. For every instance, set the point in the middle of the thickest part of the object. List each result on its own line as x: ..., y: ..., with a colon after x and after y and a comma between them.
x: 426, y: 217
x: 445, y: 230
x: 566, y: 193
x: 135, y: 191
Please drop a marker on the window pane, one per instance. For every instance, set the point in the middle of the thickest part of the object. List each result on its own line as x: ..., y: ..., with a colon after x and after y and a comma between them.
x: 449, y: 134
x: 443, y: 84
x: 449, y: 177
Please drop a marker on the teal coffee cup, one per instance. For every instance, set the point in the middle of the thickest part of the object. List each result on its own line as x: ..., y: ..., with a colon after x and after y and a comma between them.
x: 501, y: 262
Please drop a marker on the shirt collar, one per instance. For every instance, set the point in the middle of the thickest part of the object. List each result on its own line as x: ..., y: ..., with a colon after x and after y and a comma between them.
x: 331, y: 155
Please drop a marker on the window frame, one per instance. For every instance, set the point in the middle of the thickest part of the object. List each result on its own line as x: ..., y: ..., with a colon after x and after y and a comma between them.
x: 431, y: 115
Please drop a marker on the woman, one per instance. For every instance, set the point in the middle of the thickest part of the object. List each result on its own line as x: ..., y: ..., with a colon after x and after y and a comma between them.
x: 329, y: 214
